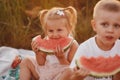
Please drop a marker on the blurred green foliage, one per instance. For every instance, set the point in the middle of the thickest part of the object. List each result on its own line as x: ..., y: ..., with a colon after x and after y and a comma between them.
x: 18, y: 28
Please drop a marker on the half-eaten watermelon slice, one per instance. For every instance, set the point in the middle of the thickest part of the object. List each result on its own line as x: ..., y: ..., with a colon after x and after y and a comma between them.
x: 48, y: 46
x: 100, y: 66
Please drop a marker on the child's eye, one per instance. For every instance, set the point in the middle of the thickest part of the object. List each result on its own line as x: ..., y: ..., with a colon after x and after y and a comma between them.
x: 104, y: 24
x: 59, y: 30
x: 116, y: 26
x: 50, y: 30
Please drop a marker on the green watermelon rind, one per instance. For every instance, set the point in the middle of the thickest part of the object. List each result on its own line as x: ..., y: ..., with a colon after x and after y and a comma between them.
x: 97, y: 74
x: 51, y: 52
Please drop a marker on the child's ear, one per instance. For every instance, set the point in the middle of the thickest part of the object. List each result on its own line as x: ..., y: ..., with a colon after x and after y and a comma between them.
x: 93, y: 23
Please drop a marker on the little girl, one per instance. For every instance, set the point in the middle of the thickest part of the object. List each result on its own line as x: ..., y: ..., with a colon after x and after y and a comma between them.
x: 56, y: 23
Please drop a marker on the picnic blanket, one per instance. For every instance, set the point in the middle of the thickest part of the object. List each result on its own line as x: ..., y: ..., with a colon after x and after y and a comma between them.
x: 7, y: 55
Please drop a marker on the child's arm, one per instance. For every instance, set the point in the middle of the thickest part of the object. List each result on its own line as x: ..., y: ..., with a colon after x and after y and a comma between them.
x: 79, y: 74
x: 41, y: 57
x: 74, y: 74
x: 61, y: 57
x: 72, y: 51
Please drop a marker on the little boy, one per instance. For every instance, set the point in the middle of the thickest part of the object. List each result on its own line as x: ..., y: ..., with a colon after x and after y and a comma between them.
x: 106, y: 43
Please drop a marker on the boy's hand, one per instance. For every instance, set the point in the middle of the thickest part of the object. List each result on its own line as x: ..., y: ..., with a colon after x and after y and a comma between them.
x: 16, y: 61
x: 79, y: 74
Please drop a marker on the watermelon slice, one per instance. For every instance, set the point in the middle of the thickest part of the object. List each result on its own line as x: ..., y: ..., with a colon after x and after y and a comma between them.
x: 49, y: 45
x: 100, y: 66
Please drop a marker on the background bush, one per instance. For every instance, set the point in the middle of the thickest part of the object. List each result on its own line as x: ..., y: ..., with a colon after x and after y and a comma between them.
x: 18, y: 25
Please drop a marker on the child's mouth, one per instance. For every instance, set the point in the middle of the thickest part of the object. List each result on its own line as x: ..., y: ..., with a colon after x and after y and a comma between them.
x: 109, y: 38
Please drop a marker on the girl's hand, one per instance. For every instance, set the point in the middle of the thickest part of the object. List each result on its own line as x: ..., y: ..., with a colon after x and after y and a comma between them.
x: 35, y: 48
x: 59, y: 53
x: 34, y: 45
x: 80, y: 73
x: 40, y: 56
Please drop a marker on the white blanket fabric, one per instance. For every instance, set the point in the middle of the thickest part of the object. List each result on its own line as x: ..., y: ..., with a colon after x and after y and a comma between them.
x: 8, y: 54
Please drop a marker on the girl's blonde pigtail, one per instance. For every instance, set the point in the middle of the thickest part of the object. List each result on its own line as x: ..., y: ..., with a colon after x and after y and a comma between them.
x: 42, y: 17
x: 72, y: 16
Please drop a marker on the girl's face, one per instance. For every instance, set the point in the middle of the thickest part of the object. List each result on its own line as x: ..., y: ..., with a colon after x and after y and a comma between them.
x: 107, y: 26
x: 57, y: 28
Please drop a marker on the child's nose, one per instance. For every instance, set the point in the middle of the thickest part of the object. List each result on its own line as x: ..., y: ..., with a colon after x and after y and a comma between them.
x: 110, y: 29
x: 55, y: 35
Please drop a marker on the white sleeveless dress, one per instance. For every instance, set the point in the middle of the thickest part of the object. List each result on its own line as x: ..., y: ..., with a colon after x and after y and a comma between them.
x: 52, y: 68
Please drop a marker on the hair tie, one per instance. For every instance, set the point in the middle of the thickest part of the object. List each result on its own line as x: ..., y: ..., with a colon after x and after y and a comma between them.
x: 60, y: 12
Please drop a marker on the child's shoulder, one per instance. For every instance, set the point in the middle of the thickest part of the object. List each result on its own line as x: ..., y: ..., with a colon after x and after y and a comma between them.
x: 89, y: 41
x: 118, y: 42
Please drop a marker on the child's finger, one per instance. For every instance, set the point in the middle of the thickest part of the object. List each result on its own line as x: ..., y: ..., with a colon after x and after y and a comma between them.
x: 34, y: 46
x: 60, y: 49
x: 59, y: 52
x: 83, y: 72
x: 75, y: 69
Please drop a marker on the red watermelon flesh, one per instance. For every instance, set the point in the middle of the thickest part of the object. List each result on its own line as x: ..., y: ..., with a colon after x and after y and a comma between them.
x: 49, y: 45
x: 100, y: 66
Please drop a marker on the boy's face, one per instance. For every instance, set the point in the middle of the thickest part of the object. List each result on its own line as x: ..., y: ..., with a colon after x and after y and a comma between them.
x: 107, y: 26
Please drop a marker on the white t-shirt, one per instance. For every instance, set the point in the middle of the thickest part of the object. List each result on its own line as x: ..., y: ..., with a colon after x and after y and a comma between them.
x: 89, y: 48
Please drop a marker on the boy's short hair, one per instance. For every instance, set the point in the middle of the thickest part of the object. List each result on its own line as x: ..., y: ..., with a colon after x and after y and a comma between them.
x: 108, y: 5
